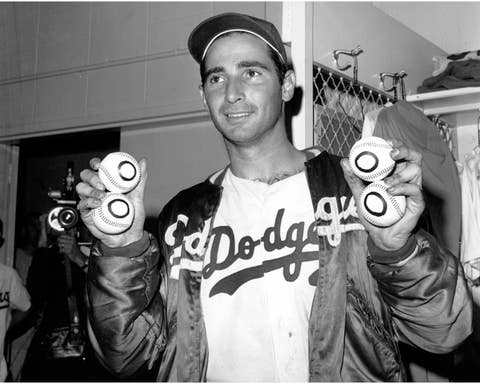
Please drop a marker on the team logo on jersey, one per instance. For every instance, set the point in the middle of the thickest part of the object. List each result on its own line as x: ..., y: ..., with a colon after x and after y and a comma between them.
x: 297, y: 237
x: 333, y: 217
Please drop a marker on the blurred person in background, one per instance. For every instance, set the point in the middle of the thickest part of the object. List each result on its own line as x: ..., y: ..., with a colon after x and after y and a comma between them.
x: 13, y: 298
x: 60, y: 350
x: 20, y: 337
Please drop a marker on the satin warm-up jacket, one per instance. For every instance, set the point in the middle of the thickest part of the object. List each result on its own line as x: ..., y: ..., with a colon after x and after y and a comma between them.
x: 144, y: 299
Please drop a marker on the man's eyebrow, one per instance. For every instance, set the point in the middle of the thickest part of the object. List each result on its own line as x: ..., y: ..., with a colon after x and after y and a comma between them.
x: 253, y: 63
x: 241, y: 64
x: 209, y: 71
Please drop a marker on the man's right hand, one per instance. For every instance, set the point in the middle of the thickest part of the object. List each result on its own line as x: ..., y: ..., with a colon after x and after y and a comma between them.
x: 91, y: 191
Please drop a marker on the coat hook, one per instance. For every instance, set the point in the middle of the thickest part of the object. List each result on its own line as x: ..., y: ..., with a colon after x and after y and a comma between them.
x: 397, y: 78
x: 401, y: 75
x: 383, y: 76
x: 352, y: 53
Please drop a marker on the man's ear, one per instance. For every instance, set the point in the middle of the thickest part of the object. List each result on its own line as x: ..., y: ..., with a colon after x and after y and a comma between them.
x: 202, y: 95
x: 288, y: 86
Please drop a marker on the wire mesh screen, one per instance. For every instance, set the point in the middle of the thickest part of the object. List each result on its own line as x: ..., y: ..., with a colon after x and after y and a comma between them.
x: 340, y: 106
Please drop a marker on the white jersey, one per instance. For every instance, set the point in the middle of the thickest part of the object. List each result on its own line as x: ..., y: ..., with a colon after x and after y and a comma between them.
x: 13, y: 295
x: 259, y: 279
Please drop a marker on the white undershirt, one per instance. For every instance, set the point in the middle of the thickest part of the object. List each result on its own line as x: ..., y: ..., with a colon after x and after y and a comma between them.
x: 257, y: 329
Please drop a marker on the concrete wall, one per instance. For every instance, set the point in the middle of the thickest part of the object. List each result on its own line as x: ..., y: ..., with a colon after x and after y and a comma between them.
x: 452, y: 25
x: 100, y: 64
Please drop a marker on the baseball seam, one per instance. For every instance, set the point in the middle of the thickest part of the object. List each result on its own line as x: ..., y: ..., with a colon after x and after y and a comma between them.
x: 108, y: 221
x: 394, y: 201
x: 370, y: 144
x: 110, y: 177
x: 383, y: 173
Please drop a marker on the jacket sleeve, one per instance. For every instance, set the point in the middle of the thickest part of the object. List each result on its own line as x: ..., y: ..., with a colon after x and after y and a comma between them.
x: 428, y: 296
x: 126, y: 311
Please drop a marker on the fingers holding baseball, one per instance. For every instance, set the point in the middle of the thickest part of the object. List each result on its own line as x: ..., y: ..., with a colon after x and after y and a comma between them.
x: 90, y: 176
x: 111, y: 198
x: 90, y: 199
x: 391, y: 201
x: 407, y: 178
x: 90, y: 190
x: 402, y: 152
x: 408, y: 163
x: 86, y: 192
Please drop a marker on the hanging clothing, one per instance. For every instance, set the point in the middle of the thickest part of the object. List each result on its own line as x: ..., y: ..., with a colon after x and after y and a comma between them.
x: 470, y: 256
x: 369, y: 123
x: 441, y: 183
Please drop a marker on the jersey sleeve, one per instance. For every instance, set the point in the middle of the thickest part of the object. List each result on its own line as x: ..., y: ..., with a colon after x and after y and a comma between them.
x: 19, y: 296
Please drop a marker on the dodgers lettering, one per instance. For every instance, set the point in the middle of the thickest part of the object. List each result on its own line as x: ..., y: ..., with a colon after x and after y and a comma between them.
x: 271, y: 240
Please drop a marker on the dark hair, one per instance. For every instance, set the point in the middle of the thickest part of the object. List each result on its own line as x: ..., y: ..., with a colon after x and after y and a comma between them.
x: 280, y: 68
x: 28, y: 230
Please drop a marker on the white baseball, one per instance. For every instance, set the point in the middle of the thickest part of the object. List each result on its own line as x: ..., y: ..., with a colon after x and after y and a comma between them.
x: 115, y: 215
x: 119, y: 172
x: 370, y: 159
x: 380, y: 207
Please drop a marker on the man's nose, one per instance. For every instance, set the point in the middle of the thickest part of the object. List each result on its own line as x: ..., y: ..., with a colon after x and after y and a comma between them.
x: 235, y: 91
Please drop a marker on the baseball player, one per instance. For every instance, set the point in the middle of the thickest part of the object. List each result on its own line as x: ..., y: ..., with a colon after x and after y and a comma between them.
x: 265, y: 271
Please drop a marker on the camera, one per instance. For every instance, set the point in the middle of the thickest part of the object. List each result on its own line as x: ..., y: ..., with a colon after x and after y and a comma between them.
x: 64, y: 217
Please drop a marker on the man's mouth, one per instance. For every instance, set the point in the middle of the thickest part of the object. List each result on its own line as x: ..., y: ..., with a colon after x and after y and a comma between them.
x: 237, y: 115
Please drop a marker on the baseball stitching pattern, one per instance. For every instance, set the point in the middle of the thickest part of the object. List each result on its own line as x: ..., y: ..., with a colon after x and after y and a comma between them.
x: 110, y: 178
x: 394, y: 201
x: 383, y: 173
x: 108, y: 221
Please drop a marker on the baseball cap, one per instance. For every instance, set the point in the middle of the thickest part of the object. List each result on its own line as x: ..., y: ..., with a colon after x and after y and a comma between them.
x: 210, y: 29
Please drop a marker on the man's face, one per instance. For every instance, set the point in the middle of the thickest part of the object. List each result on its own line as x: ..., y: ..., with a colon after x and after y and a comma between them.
x: 241, y: 90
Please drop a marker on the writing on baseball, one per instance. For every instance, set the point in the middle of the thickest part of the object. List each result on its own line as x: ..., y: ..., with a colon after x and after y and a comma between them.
x: 380, y: 207
x: 120, y: 173
x: 370, y: 160
x: 115, y: 215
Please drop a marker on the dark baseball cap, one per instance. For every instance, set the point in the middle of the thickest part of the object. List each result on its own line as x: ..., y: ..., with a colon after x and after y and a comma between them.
x: 210, y: 29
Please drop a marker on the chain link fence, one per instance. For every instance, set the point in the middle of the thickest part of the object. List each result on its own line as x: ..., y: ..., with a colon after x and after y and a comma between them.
x: 340, y: 106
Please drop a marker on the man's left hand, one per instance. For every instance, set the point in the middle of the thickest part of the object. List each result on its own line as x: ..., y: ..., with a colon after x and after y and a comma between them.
x: 406, y: 180
x: 68, y: 246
